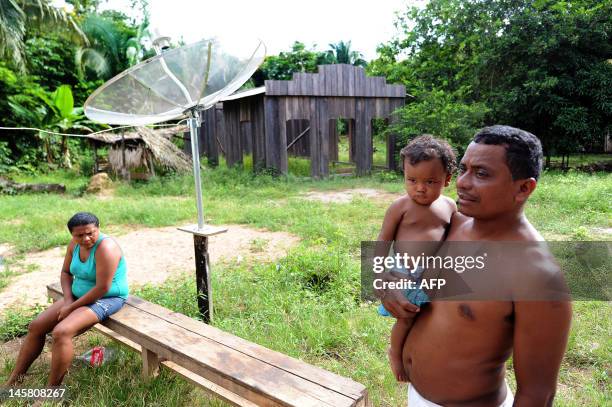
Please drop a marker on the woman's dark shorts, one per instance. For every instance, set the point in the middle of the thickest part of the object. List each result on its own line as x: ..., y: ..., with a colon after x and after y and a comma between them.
x: 107, y: 306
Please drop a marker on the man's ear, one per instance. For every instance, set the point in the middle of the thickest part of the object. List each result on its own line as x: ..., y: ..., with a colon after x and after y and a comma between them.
x: 448, y: 179
x: 525, y: 188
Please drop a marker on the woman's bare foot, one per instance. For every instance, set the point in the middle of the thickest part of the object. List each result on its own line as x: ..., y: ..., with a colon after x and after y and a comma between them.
x: 397, y: 365
x: 13, y: 381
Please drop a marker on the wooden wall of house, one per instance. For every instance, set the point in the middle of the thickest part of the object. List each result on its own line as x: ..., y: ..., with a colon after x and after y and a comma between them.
x: 300, y: 147
x: 321, y: 113
x: 267, y: 124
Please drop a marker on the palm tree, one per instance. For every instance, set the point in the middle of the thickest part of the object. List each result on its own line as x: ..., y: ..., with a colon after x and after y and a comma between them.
x: 18, y: 16
x: 109, y: 49
x: 344, y: 55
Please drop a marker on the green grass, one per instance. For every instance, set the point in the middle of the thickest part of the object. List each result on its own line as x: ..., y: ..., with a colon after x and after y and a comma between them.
x: 307, y: 304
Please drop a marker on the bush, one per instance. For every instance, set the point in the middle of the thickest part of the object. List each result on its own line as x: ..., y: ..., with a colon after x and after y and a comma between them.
x: 15, y: 322
x: 438, y: 113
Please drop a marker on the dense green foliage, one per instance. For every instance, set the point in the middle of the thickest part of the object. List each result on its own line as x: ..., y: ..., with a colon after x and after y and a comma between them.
x: 545, y: 66
x: 302, y: 59
x: 51, y: 49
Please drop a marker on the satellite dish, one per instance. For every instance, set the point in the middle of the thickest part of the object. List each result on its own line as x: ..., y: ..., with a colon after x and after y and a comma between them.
x: 174, y: 83
x: 169, y: 84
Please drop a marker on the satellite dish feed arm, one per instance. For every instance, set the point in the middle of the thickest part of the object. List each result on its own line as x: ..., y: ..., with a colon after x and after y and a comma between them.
x: 205, y: 83
x: 175, y: 79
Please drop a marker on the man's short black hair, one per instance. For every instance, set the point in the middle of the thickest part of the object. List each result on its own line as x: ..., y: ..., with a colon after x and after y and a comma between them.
x: 523, y: 149
x: 425, y: 148
x: 82, y: 219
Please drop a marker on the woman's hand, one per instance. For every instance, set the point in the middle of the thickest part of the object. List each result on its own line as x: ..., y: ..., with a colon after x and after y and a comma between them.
x: 64, y: 312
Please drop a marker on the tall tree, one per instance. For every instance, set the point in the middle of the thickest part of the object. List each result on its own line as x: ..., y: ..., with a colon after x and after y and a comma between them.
x: 343, y: 54
x: 114, y: 44
x: 17, y: 16
x: 541, y: 65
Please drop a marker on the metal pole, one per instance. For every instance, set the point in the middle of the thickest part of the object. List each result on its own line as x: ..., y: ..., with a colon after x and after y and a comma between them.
x: 195, y: 157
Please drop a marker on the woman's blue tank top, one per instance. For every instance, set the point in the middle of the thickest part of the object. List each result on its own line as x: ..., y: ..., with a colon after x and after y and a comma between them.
x: 84, y: 274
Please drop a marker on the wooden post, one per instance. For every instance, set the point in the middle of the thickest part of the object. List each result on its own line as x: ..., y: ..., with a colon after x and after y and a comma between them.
x: 125, y: 173
x: 95, y: 147
x: 203, y: 287
x: 150, y: 160
x: 209, y: 134
x: 150, y: 363
x: 202, y: 266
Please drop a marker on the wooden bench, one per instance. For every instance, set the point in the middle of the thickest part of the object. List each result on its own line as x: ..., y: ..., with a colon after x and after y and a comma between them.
x: 238, y: 371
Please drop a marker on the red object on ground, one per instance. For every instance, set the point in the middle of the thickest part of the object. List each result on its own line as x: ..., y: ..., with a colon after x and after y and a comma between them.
x: 97, y: 356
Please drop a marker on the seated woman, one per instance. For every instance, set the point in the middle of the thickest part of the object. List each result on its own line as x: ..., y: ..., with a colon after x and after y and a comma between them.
x: 94, y: 283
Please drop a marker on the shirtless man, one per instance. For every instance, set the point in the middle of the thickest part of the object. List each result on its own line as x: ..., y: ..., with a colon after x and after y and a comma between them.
x: 455, y: 352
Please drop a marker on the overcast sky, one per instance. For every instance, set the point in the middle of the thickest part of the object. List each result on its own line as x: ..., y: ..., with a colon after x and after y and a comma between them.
x: 366, y: 23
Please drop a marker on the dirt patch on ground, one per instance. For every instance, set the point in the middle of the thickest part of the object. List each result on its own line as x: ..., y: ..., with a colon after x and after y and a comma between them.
x: 347, y: 195
x: 153, y: 255
x: 603, y: 231
x: 5, y: 250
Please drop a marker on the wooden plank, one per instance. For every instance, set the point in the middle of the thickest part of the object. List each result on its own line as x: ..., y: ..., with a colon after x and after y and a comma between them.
x: 351, y: 139
x: 310, y: 83
x: 360, y: 136
x: 335, y: 73
x: 291, y: 86
x: 246, y: 138
x: 295, y: 366
x: 232, y: 133
x: 210, y: 387
x: 282, y: 139
x: 359, y: 83
x: 283, y: 88
x: 328, y: 80
x: 258, y: 133
x: 324, y: 137
x: 209, y: 135
x: 220, y: 129
x: 314, y: 141
x: 303, y: 84
x: 267, y: 385
x: 271, y: 87
x: 333, y: 140
x: 315, y: 85
x: 206, y: 385
x: 351, y: 82
x: 369, y: 107
x: 295, y: 108
x: 272, y: 132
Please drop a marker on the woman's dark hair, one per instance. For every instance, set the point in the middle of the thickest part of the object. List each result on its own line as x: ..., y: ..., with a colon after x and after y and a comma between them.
x: 523, y: 149
x: 82, y: 219
x: 425, y: 148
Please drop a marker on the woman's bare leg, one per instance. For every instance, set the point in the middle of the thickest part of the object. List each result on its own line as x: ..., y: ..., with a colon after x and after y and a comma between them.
x: 34, y: 342
x: 62, y: 353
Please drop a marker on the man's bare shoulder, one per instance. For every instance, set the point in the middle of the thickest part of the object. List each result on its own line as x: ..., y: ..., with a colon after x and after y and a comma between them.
x: 525, y: 232
x: 529, y: 233
x: 458, y: 221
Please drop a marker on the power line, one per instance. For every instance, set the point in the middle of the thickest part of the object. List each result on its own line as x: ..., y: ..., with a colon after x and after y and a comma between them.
x: 88, y: 134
